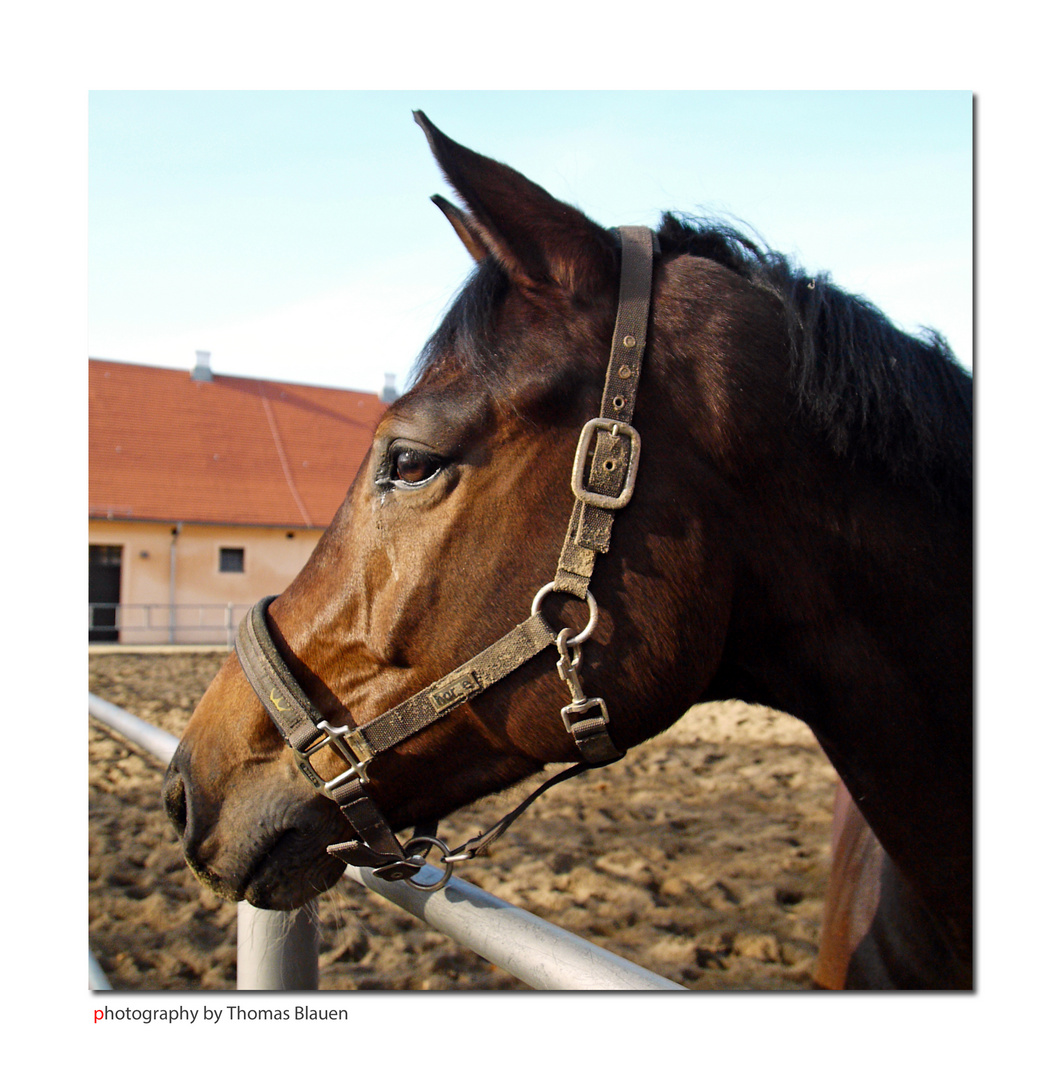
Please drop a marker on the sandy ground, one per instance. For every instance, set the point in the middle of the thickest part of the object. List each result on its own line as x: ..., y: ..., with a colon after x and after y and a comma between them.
x: 703, y: 855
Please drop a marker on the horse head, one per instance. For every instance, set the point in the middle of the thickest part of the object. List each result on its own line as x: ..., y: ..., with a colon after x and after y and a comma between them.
x: 451, y: 527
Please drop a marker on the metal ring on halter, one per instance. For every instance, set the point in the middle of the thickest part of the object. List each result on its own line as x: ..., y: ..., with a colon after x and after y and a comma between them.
x: 426, y: 842
x: 587, y: 631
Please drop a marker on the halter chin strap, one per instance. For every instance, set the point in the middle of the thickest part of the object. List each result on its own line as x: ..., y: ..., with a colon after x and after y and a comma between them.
x: 602, y: 480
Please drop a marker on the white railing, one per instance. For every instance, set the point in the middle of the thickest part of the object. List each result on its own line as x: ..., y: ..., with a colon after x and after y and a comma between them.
x: 278, y: 950
x: 165, y: 624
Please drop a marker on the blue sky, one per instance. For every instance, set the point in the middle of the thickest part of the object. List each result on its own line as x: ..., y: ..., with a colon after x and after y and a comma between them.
x: 291, y: 233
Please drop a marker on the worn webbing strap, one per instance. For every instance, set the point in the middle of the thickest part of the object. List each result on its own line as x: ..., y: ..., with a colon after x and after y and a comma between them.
x: 486, y: 668
x: 376, y: 845
x: 594, y: 741
x: 295, y: 716
x: 614, y: 460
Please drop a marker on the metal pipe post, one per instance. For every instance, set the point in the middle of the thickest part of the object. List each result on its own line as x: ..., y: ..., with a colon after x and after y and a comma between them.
x: 277, y: 950
x: 96, y: 978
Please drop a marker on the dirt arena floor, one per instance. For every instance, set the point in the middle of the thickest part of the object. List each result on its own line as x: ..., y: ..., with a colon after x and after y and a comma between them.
x: 702, y: 855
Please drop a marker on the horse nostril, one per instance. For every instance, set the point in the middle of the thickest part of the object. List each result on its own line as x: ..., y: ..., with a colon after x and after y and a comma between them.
x: 173, y: 798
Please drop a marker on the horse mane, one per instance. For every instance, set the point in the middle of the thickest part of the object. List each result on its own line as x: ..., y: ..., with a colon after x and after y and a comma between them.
x: 879, y: 397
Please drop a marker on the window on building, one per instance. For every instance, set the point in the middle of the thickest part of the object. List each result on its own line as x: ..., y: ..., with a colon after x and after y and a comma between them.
x: 104, y: 555
x: 232, y: 560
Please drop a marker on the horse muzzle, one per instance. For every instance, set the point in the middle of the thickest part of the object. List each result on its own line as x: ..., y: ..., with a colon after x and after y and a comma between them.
x: 269, y: 848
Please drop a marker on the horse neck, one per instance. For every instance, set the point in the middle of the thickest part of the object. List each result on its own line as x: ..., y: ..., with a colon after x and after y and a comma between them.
x: 852, y: 611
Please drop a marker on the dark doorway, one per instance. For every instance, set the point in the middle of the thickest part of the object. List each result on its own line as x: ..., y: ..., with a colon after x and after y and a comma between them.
x: 104, y: 591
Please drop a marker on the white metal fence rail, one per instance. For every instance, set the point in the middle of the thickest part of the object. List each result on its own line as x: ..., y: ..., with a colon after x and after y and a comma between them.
x: 165, y: 624
x: 278, y: 950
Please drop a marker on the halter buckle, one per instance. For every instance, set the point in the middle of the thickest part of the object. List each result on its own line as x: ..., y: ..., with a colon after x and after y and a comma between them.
x: 344, y: 741
x: 615, y: 428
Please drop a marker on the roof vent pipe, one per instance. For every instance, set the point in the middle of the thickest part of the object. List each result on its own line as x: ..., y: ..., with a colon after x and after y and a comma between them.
x: 390, y: 390
x: 201, y: 372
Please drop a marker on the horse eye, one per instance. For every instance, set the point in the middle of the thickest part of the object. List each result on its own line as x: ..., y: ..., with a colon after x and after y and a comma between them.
x: 415, y: 466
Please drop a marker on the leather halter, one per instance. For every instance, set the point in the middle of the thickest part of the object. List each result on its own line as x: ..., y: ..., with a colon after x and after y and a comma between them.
x: 602, y: 480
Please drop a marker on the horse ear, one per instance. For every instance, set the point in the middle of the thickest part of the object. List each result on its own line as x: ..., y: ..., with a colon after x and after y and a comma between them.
x: 536, y: 238
x: 463, y: 226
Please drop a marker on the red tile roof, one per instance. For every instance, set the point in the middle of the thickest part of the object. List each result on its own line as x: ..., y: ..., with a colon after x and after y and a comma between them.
x: 164, y: 447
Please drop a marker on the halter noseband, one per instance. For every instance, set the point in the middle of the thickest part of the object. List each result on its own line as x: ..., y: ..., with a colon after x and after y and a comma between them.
x: 602, y: 480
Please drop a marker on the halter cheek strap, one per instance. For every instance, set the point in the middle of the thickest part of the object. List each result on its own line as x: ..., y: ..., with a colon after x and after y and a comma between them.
x: 609, y: 485
x: 602, y: 481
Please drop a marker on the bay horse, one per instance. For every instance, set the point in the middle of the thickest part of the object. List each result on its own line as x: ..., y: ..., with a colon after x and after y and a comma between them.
x: 789, y: 523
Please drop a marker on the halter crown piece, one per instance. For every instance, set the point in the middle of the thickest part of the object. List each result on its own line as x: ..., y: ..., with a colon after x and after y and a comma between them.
x: 602, y: 480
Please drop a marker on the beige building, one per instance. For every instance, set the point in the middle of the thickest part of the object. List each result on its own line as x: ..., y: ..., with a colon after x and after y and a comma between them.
x: 207, y: 492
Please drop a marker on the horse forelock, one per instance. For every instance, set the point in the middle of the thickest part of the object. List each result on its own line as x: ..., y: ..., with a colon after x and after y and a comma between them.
x: 520, y: 365
x: 465, y: 334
